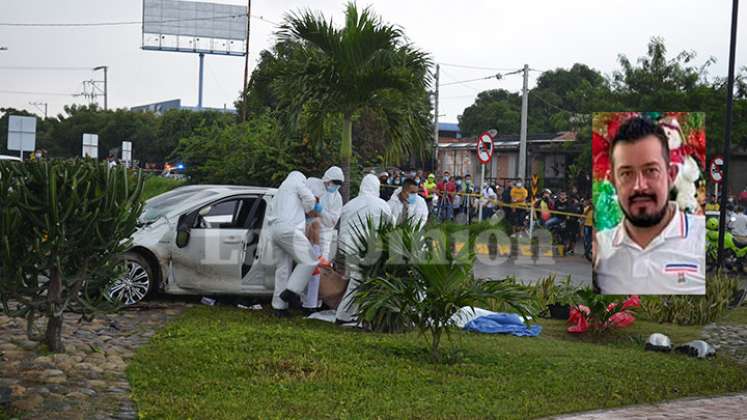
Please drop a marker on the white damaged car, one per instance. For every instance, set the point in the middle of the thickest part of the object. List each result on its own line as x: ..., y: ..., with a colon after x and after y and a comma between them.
x: 200, y: 240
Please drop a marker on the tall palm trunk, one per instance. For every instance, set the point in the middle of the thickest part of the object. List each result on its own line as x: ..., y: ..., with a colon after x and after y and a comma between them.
x: 346, y: 153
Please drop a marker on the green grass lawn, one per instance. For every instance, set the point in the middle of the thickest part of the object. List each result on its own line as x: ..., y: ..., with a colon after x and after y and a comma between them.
x: 221, y: 362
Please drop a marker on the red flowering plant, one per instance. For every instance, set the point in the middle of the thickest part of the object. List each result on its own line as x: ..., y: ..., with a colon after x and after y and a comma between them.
x: 601, y: 313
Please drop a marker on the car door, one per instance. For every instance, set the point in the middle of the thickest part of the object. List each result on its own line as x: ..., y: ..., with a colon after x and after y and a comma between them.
x: 211, y: 261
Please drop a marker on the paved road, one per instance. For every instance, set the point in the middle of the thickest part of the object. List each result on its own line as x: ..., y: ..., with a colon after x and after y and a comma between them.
x: 530, y: 270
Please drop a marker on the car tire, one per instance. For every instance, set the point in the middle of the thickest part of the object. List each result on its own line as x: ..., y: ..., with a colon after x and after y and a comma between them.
x: 136, y: 283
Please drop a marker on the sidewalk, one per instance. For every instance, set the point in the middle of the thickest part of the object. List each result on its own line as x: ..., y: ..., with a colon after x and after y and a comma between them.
x: 724, y: 407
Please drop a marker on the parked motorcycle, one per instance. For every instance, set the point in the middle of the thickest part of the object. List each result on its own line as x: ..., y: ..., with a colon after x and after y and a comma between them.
x: 735, y: 251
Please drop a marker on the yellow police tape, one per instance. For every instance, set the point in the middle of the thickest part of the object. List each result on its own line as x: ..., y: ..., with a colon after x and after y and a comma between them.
x: 522, y: 206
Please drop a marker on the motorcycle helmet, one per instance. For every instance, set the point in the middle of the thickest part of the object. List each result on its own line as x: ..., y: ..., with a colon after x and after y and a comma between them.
x: 712, y: 223
x: 658, y: 342
x: 696, y: 348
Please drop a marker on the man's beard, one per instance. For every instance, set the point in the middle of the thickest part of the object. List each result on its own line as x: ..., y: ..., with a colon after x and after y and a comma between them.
x: 645, y: 220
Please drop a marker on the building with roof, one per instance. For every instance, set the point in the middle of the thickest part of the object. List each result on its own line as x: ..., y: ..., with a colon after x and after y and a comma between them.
x: 161, y: 107
x: 549, y: 155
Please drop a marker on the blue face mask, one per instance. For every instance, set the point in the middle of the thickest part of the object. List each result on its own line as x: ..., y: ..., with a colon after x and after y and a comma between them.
x: 459, y: 182
x: 411, y: 198
x: 333, y: 188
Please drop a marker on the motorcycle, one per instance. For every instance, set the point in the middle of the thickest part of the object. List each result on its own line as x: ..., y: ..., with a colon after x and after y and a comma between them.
x: 735, y: 251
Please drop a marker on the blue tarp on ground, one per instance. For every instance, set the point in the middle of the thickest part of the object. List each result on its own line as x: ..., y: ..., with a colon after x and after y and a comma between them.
x: 503, y: 323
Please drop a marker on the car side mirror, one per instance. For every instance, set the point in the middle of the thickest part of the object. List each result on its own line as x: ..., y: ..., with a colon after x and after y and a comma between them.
x: 205, y: 211
x: 182, y: 237
x: 184, y: 226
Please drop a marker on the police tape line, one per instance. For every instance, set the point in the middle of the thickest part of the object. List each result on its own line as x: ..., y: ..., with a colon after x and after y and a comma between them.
x: 522, y: 206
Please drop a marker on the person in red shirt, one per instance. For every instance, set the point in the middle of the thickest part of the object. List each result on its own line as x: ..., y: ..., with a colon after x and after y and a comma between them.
x: 743, y: 197
x: 446, y: 192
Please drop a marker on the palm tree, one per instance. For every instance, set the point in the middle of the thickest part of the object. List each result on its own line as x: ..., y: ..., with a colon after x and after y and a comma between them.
x: 365, y: 65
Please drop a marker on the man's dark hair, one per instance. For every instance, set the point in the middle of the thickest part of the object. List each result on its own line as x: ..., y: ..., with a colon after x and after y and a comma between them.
x: 636, y: 128
x: 408, y: 182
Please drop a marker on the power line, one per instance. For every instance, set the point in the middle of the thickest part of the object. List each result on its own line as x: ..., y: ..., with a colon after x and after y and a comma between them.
x: 19, y: 92
x: 122, y: 23
x: 464, y: 66
x: 46, y: 68
x: 495, y: 76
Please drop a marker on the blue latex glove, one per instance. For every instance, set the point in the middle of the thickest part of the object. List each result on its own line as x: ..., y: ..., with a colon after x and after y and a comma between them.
x: 318, y: 207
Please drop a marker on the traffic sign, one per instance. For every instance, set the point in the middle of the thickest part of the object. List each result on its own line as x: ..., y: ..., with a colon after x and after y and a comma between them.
x: 21, y: 133
x: 485, y: 147
x: 535, y: 180
x: 717, y: 169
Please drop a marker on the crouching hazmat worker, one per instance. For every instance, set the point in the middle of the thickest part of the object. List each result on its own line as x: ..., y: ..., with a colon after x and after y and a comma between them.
x: 292, y: 203
x: 321, y: 230
x: 354, y: 218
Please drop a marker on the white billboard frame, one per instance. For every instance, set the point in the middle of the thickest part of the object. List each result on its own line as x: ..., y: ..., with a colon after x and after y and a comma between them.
x: 194, y: 27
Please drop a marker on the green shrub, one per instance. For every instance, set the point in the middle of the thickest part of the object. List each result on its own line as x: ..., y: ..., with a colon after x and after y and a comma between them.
x: 416, y: 281
x: 693, y: 310
x: 155, y: 185
x: 63, y: 225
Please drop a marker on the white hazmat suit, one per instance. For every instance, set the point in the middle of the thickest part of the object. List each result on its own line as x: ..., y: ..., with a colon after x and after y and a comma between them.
x: 355, y: 215
x: 332, y: 204
x: 287, y: 227
x: 418, y: 212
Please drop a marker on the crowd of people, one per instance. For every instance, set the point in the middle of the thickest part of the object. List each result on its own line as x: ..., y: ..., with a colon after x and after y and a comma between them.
x: 456, y: 198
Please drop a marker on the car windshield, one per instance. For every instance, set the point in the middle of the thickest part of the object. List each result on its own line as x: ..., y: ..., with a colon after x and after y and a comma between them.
x: 164, y: 203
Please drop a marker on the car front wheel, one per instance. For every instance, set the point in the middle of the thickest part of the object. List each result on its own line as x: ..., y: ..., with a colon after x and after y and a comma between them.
x: 135, y: 283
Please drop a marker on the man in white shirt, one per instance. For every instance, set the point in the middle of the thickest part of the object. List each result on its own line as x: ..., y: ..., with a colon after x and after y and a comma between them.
x: 657, y: 249
x: 406, y: 203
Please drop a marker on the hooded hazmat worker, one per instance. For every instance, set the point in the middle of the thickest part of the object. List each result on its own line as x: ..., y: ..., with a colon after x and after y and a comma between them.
x: 292, y: 203
x: 331, y: 200
x: 355, y: 216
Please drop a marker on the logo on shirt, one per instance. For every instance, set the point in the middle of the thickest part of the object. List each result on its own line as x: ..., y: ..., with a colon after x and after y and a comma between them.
x: 681, y: 268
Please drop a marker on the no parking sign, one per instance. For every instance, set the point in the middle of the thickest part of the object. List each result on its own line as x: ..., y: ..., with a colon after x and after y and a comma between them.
x: 484, y: 147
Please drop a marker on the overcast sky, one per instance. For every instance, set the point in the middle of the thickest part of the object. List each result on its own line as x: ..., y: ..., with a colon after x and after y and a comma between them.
x: 484, y: 33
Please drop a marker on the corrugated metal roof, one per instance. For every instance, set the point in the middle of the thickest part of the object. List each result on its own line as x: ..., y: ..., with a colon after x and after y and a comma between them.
x: 445, y: 126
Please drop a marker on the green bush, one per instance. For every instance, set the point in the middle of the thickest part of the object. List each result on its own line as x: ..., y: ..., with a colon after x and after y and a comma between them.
x: 63, y: 225
x: 693, y: 310
x: 155, y: 185
x: 416, y: 281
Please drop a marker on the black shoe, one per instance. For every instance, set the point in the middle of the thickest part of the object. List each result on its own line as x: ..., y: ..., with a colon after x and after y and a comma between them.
x: 341, y: 321
x: 309, y: 311
x: 292, y: 299
x: 280, y: 313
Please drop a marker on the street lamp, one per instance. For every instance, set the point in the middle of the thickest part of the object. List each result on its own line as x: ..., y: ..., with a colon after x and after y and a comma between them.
x: 105, y: 68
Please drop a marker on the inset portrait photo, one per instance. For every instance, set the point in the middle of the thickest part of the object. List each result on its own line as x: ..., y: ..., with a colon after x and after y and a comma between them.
x: 649, y: 196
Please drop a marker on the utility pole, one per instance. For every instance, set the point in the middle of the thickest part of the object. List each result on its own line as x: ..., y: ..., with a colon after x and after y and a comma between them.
x: 38, y: 106
x: 435, y: 120
x: 106, y: 85
x: 246, y: 61
x: 727, y: 132
x: 523, y: 136
x: 199, y: 91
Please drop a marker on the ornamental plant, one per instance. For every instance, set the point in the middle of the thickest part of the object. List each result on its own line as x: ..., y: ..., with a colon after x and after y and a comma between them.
x: 413, y: 280
x: 63, y: 224
x: 601, y: 313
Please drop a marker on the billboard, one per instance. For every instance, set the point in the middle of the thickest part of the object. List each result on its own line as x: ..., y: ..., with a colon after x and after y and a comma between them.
x: 196, y: 27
